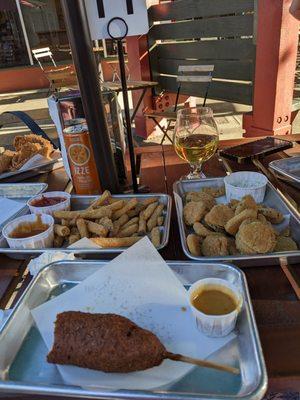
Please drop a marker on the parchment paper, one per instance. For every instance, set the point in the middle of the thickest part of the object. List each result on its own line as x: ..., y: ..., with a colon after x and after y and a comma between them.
x: 139, y: 285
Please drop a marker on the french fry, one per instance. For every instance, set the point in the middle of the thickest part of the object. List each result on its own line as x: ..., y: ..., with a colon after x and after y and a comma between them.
x: 155, y: 236
x: 99, y: 230
x: 89, y: 214
x: 60, y: 230
x: 118, y: 223
x: 145, y: 203
x: 132, y: 221
x: 117, y: 205
x: 160, y: 220
x: 128, y: 231
x: 116, y: 242
x: 102, y: 199
x: 149, y: 210
x: 82, y: 228
x: 74, y: 238
x: 128, y: 206
x: 58, y: 241
x: 142, y: 229
x: 152, y: 221
x: 65, y: 222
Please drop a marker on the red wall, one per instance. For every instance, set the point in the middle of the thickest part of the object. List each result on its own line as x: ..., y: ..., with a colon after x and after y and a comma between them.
x: 23, y: 78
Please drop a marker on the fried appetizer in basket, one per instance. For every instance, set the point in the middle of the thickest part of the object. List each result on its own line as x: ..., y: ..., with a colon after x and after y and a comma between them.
x: 218, y: 217
x: 214, y: 191
x: 193, y: 212
x: 232, y: 226
x: 193, y: 244
x: 255, y: 237
x: 207, y: 199
x: 45, y: 145
x: 215, y: 245
x: 246, y: 203
x: 285, y: 244
x: 6, y: 160
x: 201, y: 230
x: 272, y: 215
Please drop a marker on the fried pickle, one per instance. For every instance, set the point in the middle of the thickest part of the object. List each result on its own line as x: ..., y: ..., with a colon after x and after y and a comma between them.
x: 206, y: 198
x: 193, y: 212
x: 193, y: 244
x: 272, y: 215
x: 218, y: 217
x: 232, y: 226
x: 255, y: 237
x: 247, y: 202
x: 285, y: 244
x: 215, y: 245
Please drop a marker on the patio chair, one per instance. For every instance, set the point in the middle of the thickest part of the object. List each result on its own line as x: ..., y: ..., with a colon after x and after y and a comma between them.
x: 184, y: 76
x: 44, y: 52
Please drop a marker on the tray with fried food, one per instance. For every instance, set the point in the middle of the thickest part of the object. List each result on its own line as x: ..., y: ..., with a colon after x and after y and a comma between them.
x: 106, y: 223
x: 211, y: 228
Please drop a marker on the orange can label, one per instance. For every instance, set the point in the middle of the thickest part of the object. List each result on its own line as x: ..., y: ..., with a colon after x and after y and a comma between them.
x: 81, y: 159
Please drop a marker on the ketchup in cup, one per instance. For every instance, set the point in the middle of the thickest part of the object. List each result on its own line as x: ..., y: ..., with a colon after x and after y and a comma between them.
x: 47, y: 201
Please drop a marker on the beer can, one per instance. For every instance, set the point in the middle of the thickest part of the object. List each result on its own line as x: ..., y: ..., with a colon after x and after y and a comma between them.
x: 81, y: 159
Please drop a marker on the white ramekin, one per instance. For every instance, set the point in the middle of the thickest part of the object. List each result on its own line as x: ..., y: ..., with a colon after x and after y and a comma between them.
x: 63, y: 206
x: 215, y: 325
x: 43, y: 240
x: 240, y: 184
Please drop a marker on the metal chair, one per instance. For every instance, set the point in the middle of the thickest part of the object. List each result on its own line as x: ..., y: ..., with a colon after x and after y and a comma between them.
x: 186, y: 74
x: 42, y: 53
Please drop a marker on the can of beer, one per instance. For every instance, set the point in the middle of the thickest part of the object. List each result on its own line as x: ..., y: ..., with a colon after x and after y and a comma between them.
x: 81, y: 159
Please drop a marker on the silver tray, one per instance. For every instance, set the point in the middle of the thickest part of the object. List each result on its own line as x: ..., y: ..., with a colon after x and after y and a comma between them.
x: 81, y: 203
x: 272, y: 199
x: 288, y: 168
x: 23, y: 366
x: 17, y: 191
x: 17, y: 176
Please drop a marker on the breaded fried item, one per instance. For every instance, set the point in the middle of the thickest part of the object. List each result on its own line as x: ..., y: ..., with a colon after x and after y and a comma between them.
x: 5, y: 160
x: 193, y: 212
x: 201, y: 230
x: 285, y: 244
x: 215, y: 245
x: 20, y: 141
x: 262, y: 218
x: 207, y: 199
x: 233, y: 204
x: 272, y: 215
x: 193, y: 244
x: 232, y: 226
x: 286, y: 232
x: 247, y: 202
x: 255, y: 237
x: 218, y: 217
x: 27, y: 151
x: 214, y: 191
x: 233, y: 251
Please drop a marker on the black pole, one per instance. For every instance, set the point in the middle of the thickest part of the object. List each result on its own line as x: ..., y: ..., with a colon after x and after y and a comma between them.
x: 87, y: 75
x: 127, y: 114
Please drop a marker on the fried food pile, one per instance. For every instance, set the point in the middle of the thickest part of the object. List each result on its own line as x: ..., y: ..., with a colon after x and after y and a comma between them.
x: 111, y: 222
x: 104, y: 342
x: 239, y: 227
x: 26, y: 147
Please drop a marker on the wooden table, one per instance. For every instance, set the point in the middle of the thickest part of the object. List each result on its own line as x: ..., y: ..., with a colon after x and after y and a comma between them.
x: 276, y: 307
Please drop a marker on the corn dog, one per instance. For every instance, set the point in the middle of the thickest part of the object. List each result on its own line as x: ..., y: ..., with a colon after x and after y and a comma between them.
x: 116, y: 242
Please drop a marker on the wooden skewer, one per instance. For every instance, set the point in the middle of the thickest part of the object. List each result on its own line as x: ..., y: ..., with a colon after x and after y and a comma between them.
x: 202, y: 363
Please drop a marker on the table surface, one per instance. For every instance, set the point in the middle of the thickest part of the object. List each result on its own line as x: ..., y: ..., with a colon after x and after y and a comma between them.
x: 276, y: 306
x: 131, y: 85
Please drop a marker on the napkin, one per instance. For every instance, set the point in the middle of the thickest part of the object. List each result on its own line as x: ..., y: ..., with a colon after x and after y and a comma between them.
x: 39, y: 160
x: 139, y: 285
x: 46, y: 258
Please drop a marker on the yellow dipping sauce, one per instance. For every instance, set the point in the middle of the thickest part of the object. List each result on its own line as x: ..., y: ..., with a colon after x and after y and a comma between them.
x: 214, y: 300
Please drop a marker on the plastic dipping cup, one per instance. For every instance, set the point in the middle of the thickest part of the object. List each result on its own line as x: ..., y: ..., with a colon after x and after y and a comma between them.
x: 215, y: 325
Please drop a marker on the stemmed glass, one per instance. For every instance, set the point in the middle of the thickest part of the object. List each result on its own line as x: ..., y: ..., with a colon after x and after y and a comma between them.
x: 195, y: 138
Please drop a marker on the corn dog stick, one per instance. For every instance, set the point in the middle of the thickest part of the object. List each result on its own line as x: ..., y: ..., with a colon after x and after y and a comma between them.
x: 89, y: 214
x: 128, y: 231
x: 142, y: 229
x: 74, y: 238
x: 115, y: 242
x: 61, y: 230
x: 102, y: 199
x: 149, y: 211
x: 153, y: 219
x: 82, y: 228
x: 128, y: 206
x: 155, y: 236
x: 99, y: 230
x: 58, y: 241
x: 118, y: 223
x: 132, y: 221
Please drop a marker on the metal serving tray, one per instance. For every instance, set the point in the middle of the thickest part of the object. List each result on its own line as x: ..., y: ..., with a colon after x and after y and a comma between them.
x: 17, y: 176
x: 23, y: 366
x: 272, y: 199
x: 288, y: 168
x: 81, y: 203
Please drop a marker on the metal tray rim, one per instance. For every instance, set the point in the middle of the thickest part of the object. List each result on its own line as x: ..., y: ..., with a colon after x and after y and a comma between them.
x: 286, y: 254
x: 259, y: 391
x: 280, y: 170
x: 15, y: 173
x: 115, y: 250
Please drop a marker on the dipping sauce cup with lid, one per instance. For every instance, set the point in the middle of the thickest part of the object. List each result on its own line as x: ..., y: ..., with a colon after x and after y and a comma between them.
x: 215, y: 303
x: 242, y: 183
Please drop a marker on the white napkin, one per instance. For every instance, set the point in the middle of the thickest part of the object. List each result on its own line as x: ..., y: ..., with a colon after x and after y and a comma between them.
x: 46, y: 258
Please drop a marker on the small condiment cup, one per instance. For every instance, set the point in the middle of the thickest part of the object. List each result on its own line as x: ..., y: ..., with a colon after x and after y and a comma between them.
x: 215, y: 325
x: 242, y: 183
x: 62, y: 206
x: 40, y: 241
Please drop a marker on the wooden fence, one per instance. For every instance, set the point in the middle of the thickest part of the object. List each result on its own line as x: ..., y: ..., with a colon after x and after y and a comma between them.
x: 219, y: 32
